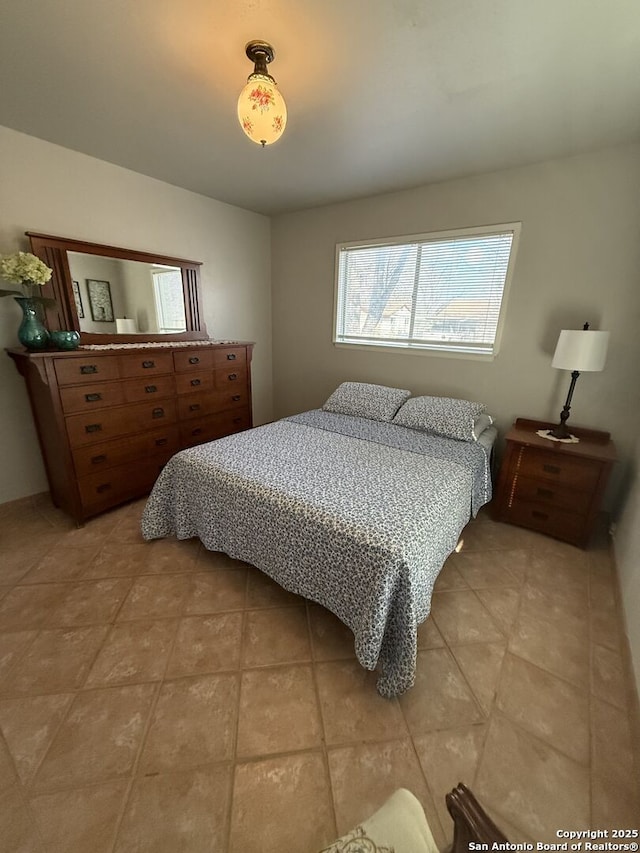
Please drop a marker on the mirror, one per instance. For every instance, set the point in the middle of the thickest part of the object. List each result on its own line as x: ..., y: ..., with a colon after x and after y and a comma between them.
x: 115, y: 295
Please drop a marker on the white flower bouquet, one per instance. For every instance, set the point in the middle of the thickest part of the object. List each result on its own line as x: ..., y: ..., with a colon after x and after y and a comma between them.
x: 28, y: 271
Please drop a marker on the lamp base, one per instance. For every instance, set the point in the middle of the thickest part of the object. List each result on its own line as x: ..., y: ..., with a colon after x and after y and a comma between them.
x: 560, y: 432
x: 548, y: 434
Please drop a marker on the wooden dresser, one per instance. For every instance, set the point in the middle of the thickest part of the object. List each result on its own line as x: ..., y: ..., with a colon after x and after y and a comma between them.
x: 108, y: 419
x: 550, y: 486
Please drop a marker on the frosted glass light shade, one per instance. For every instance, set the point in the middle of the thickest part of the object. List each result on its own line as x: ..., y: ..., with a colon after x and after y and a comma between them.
x: 262, y: 111
x: 582, y: 350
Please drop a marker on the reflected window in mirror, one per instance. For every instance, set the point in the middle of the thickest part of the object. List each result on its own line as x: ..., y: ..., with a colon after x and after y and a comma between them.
x: 146, y: 298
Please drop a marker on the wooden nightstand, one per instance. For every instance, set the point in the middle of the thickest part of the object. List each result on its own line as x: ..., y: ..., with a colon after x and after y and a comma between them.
x: 552, y: 487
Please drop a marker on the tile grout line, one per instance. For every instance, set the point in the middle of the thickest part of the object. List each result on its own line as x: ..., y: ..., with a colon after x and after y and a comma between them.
x: 234, y: 764
x: 133, y: 774
x: 323, y: 745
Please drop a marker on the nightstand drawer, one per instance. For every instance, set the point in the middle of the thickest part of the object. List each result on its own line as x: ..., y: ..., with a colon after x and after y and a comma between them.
x: 571, y: 472
x: 550, y: 494
x: 560, y: 523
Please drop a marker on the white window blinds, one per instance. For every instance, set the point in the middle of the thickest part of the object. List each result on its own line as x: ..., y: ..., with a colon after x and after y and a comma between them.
x: 427, y: 292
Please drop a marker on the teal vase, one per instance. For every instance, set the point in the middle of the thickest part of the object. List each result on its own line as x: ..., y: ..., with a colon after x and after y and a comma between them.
x: 32, y: 333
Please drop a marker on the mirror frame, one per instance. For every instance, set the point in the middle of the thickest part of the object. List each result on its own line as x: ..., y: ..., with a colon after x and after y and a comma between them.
x: 53, y: 251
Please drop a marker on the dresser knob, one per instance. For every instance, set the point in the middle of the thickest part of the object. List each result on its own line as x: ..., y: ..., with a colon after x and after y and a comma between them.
x: 157, y: 413
x: 194, y: 360
x: 551, y: 469
x: 231, y: 356
x: 236, y: 397
x: 93, y: 428
x: 148, y: 364
x: 232, y: 376
x: 161, y: 441
x: 195, y: 381
x: 88, y: 368
x: 96, y: 460
x: 194, y: 407
x: 92, y: 398
x: 150, y: 389
x: 103, y: 487
x: 545, y: 493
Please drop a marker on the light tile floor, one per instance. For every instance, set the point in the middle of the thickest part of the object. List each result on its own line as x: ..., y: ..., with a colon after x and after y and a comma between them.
x: 158, y: 697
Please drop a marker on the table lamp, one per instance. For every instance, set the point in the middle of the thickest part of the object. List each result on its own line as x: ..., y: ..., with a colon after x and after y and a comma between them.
x: 578, y: 351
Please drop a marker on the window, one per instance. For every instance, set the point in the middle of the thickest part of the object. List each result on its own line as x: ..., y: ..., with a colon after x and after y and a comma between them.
x: 443, y: 292
x: 167, y: 286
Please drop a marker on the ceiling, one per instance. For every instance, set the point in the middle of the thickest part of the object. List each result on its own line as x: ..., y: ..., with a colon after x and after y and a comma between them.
x: 382, y: 94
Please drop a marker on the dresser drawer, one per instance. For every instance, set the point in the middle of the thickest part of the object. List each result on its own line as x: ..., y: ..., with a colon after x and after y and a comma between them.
x: 96, y: 427
x: 232, y: 398
x: 563, y: 524
x: 146, y: 365
x: 224, y: 356
x: 550, y: 494
x: 231, y: 376
x: 193, y: 360
x: 149, y: 388
x: 570, y: 471
x: 197, y: 405
x: 112, y: 487
x: 86, y: 398
x: 216, y: 426
x: 133, y: 450
x: 73, y: 371
x: 187, y: 383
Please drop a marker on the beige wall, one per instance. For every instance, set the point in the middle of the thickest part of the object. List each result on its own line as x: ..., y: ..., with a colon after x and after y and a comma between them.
x: 53, y: 190
x: 579, y: 259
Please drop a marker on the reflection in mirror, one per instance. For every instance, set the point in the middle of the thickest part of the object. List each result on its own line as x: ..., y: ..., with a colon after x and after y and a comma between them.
x: 115, y: 296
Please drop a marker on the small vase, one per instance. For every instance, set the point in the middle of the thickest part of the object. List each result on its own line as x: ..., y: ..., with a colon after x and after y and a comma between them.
x: 65, y: 339
x: 32, y: 333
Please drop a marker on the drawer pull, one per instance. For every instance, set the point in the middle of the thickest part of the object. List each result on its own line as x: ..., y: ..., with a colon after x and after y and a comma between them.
x: 236, y: 397
x: 92, y: 398
x: 160, y: 442
x: 194, y: 407
x: 148, y: 364
x: 93, y: 428
x: 103, y: 487
x: 545, y: 493
x: 157, y: 413
x: 232, y: 376
x: 551, y: 469
x: 150, y: 389
x: 88, y: 368
x: 96, y: 460
x: 231, y: 356
x: 537, y: 514
x: 237, y: 420
x: 194, y: 360
x: 196, y: 431
x: 195, y: 381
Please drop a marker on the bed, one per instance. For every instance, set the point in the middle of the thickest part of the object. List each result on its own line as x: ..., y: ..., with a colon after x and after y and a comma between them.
x: 354, y: 513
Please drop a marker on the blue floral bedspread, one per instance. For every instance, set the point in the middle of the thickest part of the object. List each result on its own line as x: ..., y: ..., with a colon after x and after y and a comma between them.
x: 354, y: 514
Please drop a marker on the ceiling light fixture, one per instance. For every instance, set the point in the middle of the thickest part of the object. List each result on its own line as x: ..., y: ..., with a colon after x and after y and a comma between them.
x: 262, y: 111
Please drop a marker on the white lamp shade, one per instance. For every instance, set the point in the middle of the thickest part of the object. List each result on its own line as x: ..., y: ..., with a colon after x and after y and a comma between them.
x: 262, y: 111
x: 581, y: 350
x: 125, y: 326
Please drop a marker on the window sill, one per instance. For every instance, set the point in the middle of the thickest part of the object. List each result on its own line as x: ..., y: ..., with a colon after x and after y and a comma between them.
x: 419, y: 351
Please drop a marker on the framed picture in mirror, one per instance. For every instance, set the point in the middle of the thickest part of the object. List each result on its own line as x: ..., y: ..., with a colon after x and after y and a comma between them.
x: 100, y: 300
x: 77, y: 296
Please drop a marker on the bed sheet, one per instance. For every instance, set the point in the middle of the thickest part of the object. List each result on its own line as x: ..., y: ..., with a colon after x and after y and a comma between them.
x: 354, y: 514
